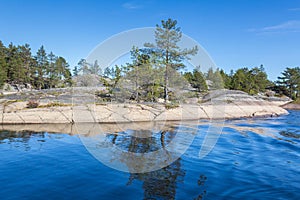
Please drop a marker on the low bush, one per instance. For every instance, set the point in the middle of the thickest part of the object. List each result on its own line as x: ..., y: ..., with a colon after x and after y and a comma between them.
x: 169, y: 106
x: 54, y: 104
x: 32, y: 104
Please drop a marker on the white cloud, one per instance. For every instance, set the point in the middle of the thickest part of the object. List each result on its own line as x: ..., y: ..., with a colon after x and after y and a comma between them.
x: 131, y: 6
x: 286, y: 27
x: 293, y: 25
x: 294, y: 9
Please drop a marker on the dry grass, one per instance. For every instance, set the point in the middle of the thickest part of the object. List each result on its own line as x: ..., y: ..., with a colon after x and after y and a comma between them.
x: 54, y: 104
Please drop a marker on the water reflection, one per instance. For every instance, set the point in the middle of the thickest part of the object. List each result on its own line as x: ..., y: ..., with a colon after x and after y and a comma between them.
x: 66, y: 169
x: 146, y: 149
x: 291, y: 133
x: 160, y: 184
x: 21, y: 139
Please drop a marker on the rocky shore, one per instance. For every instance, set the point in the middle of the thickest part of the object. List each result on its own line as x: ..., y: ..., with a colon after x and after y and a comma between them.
x: 291, y: 106
x: 223, y: 104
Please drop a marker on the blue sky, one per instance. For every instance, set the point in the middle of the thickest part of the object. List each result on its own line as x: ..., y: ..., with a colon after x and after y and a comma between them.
x: 236, y: 33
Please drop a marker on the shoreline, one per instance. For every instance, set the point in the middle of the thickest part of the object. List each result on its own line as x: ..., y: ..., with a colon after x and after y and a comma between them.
x: 126, y: 113
x: 69, y: 107
x: 291, y: 106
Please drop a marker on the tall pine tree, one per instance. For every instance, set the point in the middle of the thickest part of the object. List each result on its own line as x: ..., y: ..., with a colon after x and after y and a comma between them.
x: 167, y: 51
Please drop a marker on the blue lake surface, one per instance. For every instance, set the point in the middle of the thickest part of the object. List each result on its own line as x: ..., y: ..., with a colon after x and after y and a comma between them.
x: 252, y: 159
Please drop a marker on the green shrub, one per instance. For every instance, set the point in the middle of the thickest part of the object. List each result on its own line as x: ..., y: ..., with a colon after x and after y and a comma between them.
x: 32, y: 104
x: 54, y: 104
x: 169, y: 106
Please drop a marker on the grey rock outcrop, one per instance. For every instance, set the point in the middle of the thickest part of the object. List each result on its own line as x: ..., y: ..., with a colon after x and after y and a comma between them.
x: 222, y: 104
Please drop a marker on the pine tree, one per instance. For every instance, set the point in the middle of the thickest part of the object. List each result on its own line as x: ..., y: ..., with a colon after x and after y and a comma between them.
x: 107, y: 72
x: 259, y: 79
x: 83, y: 67
x: 41, y: 68
x: 75, y: 71
x: 290, y: 80
x: 63, y: 74
x: 51, y: 71
x: 238, y: 81
x: 199, y: 81
x: 226, y: 79
x: 16, y: 71
x: 95, y: 69
x: 28, y: 64
x: 140, y: 73
x: 3, y: 65
x: 215, y: 78
x: 196, y: 79
x: 167, y: 51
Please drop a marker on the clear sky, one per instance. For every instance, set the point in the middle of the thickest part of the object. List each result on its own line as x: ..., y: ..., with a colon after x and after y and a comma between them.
x: 236, y: 33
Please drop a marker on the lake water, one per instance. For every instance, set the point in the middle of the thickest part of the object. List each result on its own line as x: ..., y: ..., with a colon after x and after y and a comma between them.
x: 252, y: 159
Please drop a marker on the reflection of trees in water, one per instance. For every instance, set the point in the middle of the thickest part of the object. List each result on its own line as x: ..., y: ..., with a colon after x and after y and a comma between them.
x: 162, y: 183
x: 156, y: 184
x: 21, y: 139
x: 149, y: 141
x: 201, y: 182
x: 142, y: 150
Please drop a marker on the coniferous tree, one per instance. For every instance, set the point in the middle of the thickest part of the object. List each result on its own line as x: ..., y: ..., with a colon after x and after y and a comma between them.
x: 259, y: 80
x: 95, y: 68
x: 238, y: 79
x: 107, y: 72
x: 167, y: 51
x: 251, y: 81
x: 75, y: 71
x: 290, y: 80
x: 27, y: 64
x: 19, y: 67
x: 16, y: 71
x: 3, y: 65
x: 63, y: 76
x: 226, y: 79
x: 215, y: 79
x: 83, y: 67
x: 140, y: 72
x: 42, y: 67
x: 197, y: 80
x: 51, y: 71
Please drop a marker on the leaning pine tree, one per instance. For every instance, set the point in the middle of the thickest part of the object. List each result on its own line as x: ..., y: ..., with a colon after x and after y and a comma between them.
x: 167, y: 51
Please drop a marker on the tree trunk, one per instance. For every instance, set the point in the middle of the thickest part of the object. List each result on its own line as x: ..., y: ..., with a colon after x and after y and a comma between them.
x: 166, y: 78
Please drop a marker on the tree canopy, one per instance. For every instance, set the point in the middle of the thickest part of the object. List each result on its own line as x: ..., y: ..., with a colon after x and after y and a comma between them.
x: 19, y: 66
x: 168, y: 54
x: 290, y: 82
x: 153, y: 72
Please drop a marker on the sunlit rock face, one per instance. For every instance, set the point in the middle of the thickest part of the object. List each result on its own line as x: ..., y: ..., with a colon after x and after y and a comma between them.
x: 220, y: 104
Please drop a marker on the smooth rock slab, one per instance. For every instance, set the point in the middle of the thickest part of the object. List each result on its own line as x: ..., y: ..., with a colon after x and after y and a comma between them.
x: 119, y: 113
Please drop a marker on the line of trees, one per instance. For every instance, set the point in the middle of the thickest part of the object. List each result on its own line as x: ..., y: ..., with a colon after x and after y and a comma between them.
x: 41, y: 71
x: 156, y: 68
x: 289, y: 83
x: 154, y: 72
x: 252, y: 80
x: 255, y: 80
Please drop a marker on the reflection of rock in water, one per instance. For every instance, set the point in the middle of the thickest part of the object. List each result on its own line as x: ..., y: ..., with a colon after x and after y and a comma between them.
x: 161, y: 184
x: 21, y: 139
x: 291, y: 133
